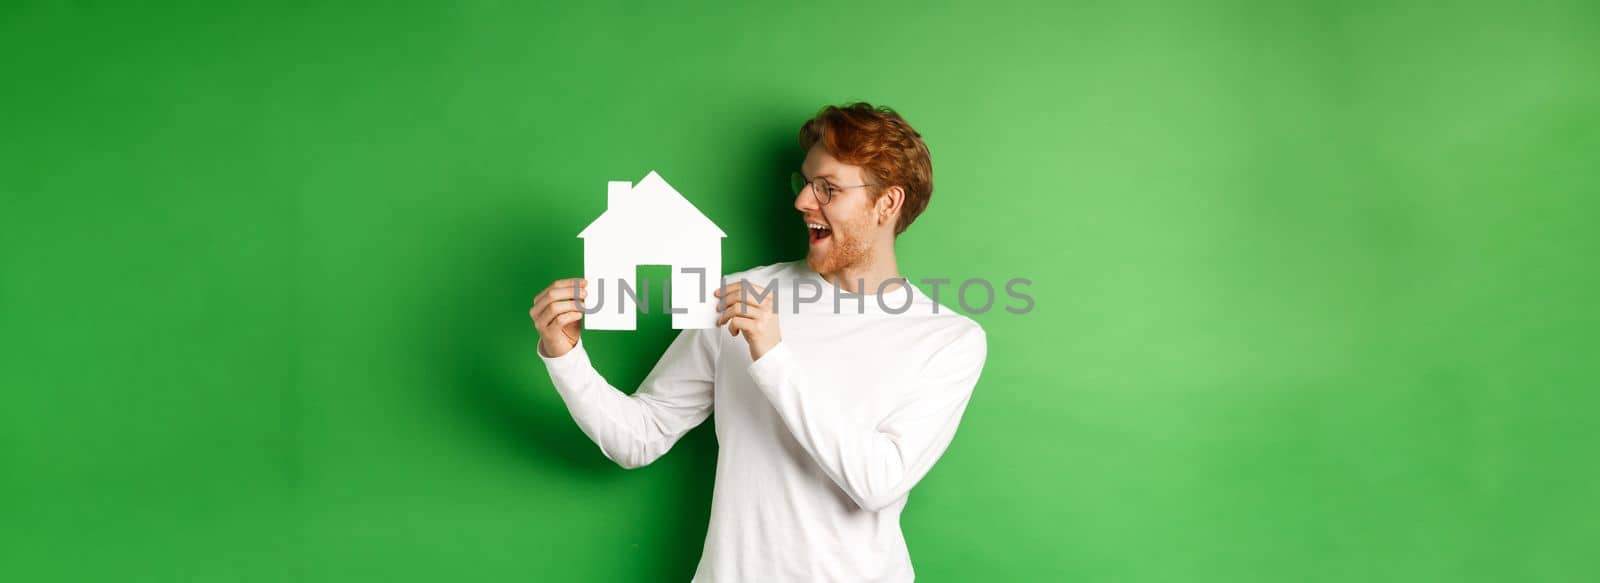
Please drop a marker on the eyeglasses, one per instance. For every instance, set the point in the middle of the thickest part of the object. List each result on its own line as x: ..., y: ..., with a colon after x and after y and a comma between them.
x: 819, y: 188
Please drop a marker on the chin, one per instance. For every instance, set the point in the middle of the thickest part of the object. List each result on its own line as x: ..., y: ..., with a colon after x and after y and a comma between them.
x: 843, y: 254
x: 846, y: 248
x: 817, y: 261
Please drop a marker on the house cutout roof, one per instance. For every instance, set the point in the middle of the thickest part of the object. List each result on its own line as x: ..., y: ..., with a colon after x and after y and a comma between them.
x: 650, y: 208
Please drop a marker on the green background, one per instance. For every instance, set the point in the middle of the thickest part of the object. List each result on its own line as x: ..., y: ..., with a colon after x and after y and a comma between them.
x: 1315, y: 282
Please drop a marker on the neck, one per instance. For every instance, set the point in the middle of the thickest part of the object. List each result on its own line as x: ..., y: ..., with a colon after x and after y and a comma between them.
x: 868, y: 276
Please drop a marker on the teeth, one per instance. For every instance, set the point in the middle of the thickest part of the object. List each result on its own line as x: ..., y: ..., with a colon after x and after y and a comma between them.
x: 817, y: 226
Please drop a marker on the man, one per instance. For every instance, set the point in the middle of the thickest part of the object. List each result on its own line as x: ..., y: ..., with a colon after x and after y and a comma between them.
x: 830, y: 407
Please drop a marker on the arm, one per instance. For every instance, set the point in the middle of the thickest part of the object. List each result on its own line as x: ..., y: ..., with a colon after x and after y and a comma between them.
x: 634, y: 430
x: 876, y: 461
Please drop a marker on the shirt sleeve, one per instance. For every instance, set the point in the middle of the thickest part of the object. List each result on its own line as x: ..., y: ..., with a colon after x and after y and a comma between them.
x: 876, y: 461
x: 634, y: 430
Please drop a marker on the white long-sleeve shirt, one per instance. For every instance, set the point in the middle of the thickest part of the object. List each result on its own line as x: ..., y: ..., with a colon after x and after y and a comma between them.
x: 819, y: 441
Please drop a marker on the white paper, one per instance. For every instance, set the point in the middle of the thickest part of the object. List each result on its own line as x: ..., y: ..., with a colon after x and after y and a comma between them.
x: 650, y: 223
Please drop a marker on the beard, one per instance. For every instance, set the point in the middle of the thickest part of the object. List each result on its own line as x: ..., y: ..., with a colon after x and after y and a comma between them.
x: 847, y: 247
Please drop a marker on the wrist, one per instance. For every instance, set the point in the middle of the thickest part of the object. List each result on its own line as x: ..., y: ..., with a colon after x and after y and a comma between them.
x: 760, y: 349
x: 548, y: 351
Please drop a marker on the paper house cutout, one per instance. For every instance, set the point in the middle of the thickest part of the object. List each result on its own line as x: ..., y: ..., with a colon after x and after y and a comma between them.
x: 650, y: 223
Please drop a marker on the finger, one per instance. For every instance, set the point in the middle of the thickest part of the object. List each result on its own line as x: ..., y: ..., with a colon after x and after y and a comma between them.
x: 554, y: 325
x: 560, y: 286
x: 554, y: 309
x: 548, y: 316
x: 727, y: 316
x: 747, y: 303
x: 740, y: 325
x: 740, y: 319
x: 544, y: 307
x: 562, y: 320
x: 544, y: 303
x: 565, y: 286
x: 742, y: 304
x: 743, y: 284
x: 544, y: 293
x: 739, y: 287
x: 752, y: 299
x: 559, y: 296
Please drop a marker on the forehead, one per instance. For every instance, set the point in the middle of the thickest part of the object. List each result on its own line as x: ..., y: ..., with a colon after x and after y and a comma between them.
x: 820, y: 164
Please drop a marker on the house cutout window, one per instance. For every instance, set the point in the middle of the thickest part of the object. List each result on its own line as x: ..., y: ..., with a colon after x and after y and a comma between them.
x: 650, y: 223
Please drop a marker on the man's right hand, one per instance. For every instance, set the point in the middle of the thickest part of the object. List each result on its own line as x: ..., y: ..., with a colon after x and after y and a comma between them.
x: 555, y: 314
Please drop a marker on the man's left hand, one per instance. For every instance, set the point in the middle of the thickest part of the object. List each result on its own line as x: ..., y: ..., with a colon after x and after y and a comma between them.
x: 750, y: 310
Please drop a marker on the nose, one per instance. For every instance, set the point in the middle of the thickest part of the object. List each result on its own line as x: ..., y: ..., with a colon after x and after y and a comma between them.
x: 806, y: 200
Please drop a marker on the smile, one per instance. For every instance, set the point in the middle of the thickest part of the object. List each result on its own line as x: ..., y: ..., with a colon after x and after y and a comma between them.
x: 818, y: 231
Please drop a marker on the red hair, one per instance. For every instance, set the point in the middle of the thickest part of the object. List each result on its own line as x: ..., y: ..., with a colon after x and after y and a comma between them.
x: 880, y: 141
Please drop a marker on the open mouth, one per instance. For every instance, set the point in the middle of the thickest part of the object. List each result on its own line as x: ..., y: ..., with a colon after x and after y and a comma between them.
x: 818, y: 231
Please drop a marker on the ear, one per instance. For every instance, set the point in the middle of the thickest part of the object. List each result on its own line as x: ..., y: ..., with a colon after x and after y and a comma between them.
x: 887, y: 207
